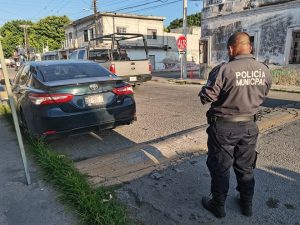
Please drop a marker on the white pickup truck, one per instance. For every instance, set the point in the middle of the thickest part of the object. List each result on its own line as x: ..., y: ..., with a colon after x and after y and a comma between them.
x: 114, y: 52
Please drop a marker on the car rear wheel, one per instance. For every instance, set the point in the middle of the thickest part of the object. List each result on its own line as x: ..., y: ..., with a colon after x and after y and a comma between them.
x: 23, y: 123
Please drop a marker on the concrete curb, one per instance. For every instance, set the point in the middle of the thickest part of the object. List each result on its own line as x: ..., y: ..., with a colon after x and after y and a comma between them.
x: 142, y: 159
x: 289, y: 89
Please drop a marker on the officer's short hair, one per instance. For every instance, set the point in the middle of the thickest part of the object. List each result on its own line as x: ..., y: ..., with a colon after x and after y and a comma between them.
x: 233, y: 38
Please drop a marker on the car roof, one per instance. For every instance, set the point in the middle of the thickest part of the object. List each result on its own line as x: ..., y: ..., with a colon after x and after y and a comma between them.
x: 58, y: 62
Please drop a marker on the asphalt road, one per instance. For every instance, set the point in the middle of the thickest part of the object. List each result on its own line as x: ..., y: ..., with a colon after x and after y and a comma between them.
x: 162, y: 109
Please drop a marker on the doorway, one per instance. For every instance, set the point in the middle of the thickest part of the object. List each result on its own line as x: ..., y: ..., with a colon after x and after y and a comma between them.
x: 295, y: 48
x: 204, y: 51
x: 152, y: 61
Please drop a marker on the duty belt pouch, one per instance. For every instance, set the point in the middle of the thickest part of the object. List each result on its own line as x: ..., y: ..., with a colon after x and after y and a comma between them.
x: 211, y: 119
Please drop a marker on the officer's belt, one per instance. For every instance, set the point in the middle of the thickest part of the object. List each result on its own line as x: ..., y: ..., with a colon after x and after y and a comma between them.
x: 213, y: 119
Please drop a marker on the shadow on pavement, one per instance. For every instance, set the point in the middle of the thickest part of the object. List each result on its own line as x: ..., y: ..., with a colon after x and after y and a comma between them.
x: 271, y: 102
x: 89, y: 145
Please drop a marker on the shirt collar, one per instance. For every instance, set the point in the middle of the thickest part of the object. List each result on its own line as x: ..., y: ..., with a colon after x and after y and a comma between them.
x: 243, y: 56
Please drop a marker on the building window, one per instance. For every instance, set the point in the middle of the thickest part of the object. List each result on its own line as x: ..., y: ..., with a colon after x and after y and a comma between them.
x: 151, y: 34
x: 91, y: 33
x: 85, y: 35
x: 215, y: 2
x: 70, y: 36
x: 121, y: 29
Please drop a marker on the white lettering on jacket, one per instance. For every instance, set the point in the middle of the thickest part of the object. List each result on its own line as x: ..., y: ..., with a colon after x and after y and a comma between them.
x: 250, y: 78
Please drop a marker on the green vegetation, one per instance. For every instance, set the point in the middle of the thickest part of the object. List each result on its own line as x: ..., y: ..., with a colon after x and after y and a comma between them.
x: 192, y: 20
x: 48, y: 30
x: 286, y: 76
x: 95, y: 206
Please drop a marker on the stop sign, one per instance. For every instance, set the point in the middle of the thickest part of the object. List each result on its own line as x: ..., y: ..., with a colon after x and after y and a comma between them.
x: 181, y: 43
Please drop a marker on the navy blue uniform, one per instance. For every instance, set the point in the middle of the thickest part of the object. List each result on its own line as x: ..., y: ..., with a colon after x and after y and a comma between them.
x: 235, y: 90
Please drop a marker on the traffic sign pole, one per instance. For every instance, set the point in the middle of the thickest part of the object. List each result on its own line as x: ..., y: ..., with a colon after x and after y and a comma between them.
x: 184, y: 26
x: 14, y: 114
x: 181, y: 45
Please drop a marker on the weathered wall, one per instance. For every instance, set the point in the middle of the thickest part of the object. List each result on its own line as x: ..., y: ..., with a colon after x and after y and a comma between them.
x: 269, y: 25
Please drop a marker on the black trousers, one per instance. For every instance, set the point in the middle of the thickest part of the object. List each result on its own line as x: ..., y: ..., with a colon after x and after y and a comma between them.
x: 232, y: 144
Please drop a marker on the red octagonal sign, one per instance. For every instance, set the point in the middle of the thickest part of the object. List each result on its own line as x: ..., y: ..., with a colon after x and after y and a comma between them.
x: 181, y: 43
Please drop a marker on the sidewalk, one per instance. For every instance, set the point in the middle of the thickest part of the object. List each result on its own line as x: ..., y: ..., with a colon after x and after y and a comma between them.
x: 196, y: 81
x: 292, y: 89
x: 23, y: 204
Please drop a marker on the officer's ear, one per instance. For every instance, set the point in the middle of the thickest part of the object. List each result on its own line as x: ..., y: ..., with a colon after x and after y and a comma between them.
x: 251, y: 49
x: 230, y: 51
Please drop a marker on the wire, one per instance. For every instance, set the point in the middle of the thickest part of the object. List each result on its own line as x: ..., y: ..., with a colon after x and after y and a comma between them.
x: 136, y: 6
x: 156, y: 6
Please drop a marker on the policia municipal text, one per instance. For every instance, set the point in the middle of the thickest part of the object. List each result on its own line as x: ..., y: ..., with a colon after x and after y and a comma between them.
x: 236, y: 90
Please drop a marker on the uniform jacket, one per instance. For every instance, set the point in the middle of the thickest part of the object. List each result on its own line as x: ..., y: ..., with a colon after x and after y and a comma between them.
x: 236, y: 88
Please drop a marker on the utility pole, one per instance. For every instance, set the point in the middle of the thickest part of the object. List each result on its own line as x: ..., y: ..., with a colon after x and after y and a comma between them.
x: 26, y: 45
x: 96, y: 18
x: 184, y: 31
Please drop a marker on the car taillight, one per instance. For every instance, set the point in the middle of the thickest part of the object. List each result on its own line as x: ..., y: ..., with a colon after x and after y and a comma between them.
x: 47, y: 99
x: 150, y: 68
x: 49, y: 132
x: 112, y: 68
x: 125, y: 90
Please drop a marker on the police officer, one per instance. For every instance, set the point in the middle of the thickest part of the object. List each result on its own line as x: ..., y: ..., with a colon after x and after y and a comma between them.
x: 235, y: 90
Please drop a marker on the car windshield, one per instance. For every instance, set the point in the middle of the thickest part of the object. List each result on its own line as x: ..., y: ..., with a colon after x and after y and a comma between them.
x: 54, y: 72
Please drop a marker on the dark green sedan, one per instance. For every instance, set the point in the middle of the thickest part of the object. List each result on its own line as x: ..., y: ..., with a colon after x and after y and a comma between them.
x: 56, y: 98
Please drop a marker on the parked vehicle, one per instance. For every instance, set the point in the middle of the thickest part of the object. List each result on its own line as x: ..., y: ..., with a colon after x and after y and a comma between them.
x: 54, y: 55
x: 3, y: 94
x: 60, y: 97
x: 112, y: 54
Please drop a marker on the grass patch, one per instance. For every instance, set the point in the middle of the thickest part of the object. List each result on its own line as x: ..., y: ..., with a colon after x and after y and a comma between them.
x: 5, y: 110
x: 96, y: 206
x: 285, y: 76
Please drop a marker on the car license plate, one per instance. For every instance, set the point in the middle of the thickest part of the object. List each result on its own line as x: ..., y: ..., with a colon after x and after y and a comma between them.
x: 132, y: 79
x: 94, y: 100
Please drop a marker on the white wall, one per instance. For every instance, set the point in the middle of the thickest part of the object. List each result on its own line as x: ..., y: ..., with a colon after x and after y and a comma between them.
x: 269, y: 25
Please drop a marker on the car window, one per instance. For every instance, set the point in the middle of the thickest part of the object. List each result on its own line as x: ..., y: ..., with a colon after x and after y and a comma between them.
x: 73, y: 55
x: 81, y: 54
x: 24, y: 75
x: 54, y: 72
x: 99, y: 55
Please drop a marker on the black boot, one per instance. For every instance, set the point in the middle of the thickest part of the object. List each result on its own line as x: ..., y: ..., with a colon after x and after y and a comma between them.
x: 245, y: 202
x: 215, y: 205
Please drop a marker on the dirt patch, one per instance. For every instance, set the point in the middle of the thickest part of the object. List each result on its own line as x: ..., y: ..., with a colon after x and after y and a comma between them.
x: 289, y: 206
x: 272, y: 203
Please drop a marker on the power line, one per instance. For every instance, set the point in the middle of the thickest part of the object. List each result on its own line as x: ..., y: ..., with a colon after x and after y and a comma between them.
x: 136, y: 6
x: 156, y: 6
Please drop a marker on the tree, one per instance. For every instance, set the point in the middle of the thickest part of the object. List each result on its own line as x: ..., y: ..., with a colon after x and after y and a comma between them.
x: 50, y: 30
x: 47, y: 30
x: 12, y: 35
x: 192, y: 20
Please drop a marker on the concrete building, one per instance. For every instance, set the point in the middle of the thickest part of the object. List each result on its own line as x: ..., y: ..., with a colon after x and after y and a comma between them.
x: 162, y: 47
x: 274, y: 26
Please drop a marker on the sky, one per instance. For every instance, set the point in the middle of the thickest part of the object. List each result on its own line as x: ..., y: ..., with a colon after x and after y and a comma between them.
x: 36, y: 9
